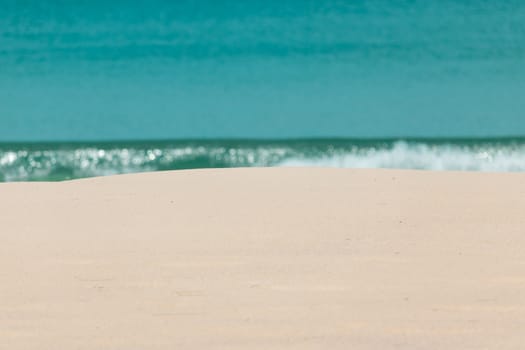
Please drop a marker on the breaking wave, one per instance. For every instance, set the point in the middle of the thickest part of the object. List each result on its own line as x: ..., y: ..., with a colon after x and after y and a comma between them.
x: 53, y: 162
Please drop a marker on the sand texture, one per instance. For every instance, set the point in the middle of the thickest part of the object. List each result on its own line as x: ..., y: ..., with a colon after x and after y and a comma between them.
x: 280, y: 258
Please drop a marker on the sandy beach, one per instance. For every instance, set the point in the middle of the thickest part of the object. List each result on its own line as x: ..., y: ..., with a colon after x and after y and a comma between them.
x: 277, y: 258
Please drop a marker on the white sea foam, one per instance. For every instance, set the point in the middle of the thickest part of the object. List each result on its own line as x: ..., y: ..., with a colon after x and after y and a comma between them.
x: 83, y: 161
x: 402, y: 155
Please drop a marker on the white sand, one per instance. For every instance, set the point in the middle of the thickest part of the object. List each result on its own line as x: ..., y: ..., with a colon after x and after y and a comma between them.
x: 264, y: 259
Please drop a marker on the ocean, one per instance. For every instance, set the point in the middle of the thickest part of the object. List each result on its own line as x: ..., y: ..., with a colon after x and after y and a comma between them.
x: 104, y: 87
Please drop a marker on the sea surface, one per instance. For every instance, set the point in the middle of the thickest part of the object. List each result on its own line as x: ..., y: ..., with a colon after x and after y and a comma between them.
x: 104, y: 87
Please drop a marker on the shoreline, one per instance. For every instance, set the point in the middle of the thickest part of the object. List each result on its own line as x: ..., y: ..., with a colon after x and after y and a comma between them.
x: 56, y: 162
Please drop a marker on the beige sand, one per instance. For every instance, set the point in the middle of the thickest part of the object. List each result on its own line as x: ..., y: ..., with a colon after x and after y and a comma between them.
x: 264, y: 259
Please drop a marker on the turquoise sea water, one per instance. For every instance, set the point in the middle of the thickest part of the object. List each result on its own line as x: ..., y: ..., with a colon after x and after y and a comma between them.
x: 91, y: 81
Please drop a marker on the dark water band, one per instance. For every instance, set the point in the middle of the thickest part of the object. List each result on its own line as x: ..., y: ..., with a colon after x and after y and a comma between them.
x: 61, y: 161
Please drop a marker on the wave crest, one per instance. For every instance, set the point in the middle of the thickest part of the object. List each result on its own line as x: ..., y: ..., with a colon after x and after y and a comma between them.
x: 59, y: 162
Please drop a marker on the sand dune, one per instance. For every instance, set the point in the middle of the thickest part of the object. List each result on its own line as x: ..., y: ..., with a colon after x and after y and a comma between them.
x: 264, y: 259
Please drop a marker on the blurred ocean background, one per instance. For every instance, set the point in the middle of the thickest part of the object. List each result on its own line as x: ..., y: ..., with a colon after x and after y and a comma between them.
x: 103, y: 87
